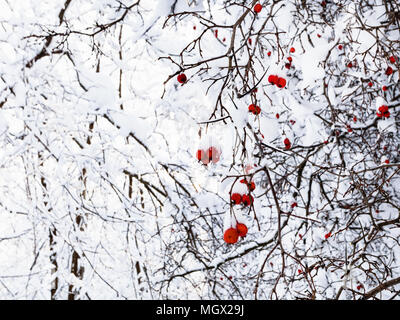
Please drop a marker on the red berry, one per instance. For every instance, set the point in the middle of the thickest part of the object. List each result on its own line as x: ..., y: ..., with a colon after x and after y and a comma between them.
x: 328, y: 235
x: 257, y: 8
x: 277, y: 115
x: 213, y: 154
x: 236, y: 198
x: 384, y: 88
x: 247, y: 199
x: 318, y: 35
x: 370, y: 84
x: 252, y: 186
x: 223, y: 40
x: 182, y: 78
x: 290, y: 59
x: 287, y: 65
x: 216, y: 33
x: 350, y: 65
x: 292, y: 50
x: 241, y: 229
x: 326, y: 141
x: 300, y: 271
x: 269, y: 53
x: 389, y: 71
x: 231, y: 236
x: 387, y: 161
x: 392, y: 59
x: 323, y: 3
x: 355, y: 119
x: 250, y: 41
x: 294, y: 204
x: 340, y: 47
x: 287, y: 143
x: 359, y: 287
x: 194, y: 27
x: 281, y: 82
x: 273, y: 79
x: 200, y: 154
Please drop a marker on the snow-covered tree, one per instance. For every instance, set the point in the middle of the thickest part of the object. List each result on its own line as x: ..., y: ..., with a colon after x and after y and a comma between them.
x: 199, y: 149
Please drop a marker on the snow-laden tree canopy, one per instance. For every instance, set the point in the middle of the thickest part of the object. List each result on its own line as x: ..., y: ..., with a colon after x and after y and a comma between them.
x: 109, y: 188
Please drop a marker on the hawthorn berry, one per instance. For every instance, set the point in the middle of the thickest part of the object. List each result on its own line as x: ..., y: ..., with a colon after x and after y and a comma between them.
x: 247, y: 199
x: 281, y: 83
x: 370, y: 84
x: 350, y: 65
x: 355, y: 119
x: 318, y: 35
x: 292, y: 50
x: 251, y: 185
x: 182, y: 78
x: 387, y: 161
x: 340, y: 47
x: 389, y: 71
x: 273, y: 79
x: 287, y: 65
x: 194, y: 27
x: 290, y: 59
x: 269, y: 53
x: 231, y: 235
x: 200, y: 154
x: 328, y: 235
x: 392, y: 59
x: 293, y: 205
x: 216, y: 33
x: 257, y: 8
x: 287, y: 143
x: 277, y: 115
x: 236, y: 198
x: 250, y: 41
x: 241, y: 229
x: 213, y: 154
x: 384, y: 88
x: 254, y: 109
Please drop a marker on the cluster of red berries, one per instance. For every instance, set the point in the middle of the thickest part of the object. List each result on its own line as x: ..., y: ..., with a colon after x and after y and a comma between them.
x: 246, y: 199
x: 232, y: 235
x: 211, y: 154
x: 383, y: 112
x: 289, y: 64
x: 278, y: 81
x: 287, y: 143
x: 254, y: 109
